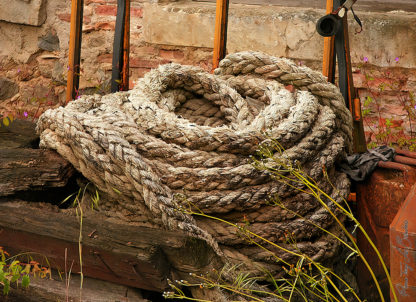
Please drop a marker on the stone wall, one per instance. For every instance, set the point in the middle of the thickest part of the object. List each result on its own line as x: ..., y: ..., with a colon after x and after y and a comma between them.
x: 34, y: 47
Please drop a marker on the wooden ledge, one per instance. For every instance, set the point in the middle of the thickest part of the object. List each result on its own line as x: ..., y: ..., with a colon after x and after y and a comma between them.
x: 125, y: 254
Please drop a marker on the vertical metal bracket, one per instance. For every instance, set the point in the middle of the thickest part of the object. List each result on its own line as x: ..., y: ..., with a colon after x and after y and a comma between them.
x: 124, y: 85
x: 119, y: 76
x: 336, y: 48
x: 121, y: 49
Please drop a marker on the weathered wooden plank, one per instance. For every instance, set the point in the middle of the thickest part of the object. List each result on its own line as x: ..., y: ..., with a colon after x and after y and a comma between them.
x: 135, y: 256
x: 24, y: 167
x: 19, y: 134
x: 32, y: 169
x: 93, y: 290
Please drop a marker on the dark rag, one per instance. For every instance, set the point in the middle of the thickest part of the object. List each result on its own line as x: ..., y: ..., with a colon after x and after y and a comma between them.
x: 359, y: 166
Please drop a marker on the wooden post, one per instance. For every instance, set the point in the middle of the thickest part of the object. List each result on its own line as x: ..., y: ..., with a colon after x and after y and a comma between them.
x: 124, y: 85
x: 220, y: 39
x: 77, y: 9
x: 328, y: 64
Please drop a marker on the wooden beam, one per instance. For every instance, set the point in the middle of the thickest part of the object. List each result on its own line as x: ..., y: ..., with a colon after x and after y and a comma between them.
x: 220, y: 38
x: 21, y: 134
x: 112, y: 250
x: 24, y: 171
x: 74, y: 55
x: 56, y: 289
x: 32, y: 170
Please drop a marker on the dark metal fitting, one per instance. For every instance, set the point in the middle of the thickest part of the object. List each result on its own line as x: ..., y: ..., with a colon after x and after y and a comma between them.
x: 328, y: 25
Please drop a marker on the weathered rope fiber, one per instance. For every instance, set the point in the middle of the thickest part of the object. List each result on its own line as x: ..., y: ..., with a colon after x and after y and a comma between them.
x: 183, y: 130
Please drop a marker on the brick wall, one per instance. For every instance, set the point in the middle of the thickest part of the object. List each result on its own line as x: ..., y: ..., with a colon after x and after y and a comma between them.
x: 34, y: 64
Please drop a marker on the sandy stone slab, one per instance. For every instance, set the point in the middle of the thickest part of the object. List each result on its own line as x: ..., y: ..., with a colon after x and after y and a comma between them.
x: 30, y: 12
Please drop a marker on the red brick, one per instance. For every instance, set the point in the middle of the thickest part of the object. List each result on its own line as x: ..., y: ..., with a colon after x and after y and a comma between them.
x: 146, y: 63
x: 65, y: 17
x: 137, y: 12
x: 87, y: 20
x: 206, y: 65
x: 138, y: 73
x: 105, y: 58
x: 88, y: 2
x: 172, y: 54
x: 105, y: 25
x: 106, y: 10
x: 144, y: 50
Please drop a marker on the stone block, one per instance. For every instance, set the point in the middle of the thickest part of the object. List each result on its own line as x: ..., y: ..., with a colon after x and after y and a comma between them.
x: 29, y: 12
x: 8, y: 88
x: 281, y: 31
x: 49, y: 42
x: 167, y: 25
x: 274, y: 30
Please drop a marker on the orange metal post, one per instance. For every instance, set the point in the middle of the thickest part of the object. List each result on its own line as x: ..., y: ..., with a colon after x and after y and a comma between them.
x: 124, y: 86
x: 328, y: 60
x: 220, y: 39
x: 72, y: 87
x: 357, y: 108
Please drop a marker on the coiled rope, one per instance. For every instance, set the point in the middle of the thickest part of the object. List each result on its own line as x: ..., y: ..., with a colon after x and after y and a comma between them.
x: 183, y: 130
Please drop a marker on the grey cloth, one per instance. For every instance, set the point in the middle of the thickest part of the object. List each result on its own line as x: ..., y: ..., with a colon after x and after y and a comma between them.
x: 359, y: 166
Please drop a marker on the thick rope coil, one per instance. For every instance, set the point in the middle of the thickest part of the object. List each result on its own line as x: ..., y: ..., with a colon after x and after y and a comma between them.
x: 183, y: 130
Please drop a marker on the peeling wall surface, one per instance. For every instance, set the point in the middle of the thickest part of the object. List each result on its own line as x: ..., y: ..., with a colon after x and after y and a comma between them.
x: 34, y: 38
